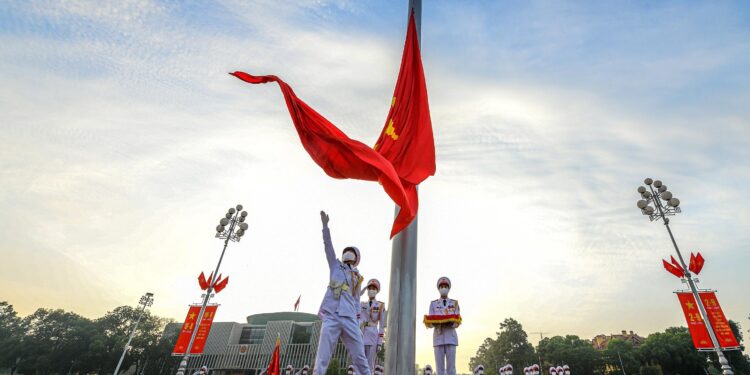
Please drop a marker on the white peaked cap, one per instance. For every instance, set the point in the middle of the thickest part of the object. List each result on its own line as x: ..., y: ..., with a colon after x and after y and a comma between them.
x: 444, y: 280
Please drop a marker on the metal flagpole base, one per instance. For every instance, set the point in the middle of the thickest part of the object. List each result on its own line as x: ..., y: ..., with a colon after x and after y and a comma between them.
x: 725, y: 368
x: 183, y: 367
x: 400, y: 343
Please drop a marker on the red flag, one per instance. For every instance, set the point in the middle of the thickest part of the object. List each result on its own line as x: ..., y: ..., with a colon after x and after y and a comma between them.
x: 338, y: 155
x: 202, y: 281
x: 296, y: 304
x: 274, y: 367
x: 218, y: 278
x: 691, y: 265
x: 673, y: 270
x: 406, y: 139
x: 210, y: 278
x: 221, y: 284
x: 674, y: 263
x: 696, y: 264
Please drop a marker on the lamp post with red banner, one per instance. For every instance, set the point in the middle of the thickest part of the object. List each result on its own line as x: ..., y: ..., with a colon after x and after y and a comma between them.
x: 235, y: 219
x: 664, y: 204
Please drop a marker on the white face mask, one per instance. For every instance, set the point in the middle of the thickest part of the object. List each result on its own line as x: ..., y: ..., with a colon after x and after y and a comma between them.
x: 372, y: 293
x: 348, y: 256
x: 444, y: 291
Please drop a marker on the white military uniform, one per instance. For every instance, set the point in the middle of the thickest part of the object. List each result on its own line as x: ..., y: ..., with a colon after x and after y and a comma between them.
x: 338, y: 311
x: 372, y: 317
x: 479, y: 370
x: 445, y: 338
x: 304, y: 371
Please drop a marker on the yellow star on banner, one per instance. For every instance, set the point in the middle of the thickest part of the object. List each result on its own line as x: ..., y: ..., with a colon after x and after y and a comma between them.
x: 690, y: 305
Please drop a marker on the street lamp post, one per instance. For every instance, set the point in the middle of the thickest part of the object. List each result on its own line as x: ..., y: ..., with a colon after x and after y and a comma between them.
x: 664, y: 204
x: 146, y: 301
x: 235, y: 219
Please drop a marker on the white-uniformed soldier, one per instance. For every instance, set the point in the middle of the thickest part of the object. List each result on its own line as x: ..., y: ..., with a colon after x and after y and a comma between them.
x: 444, y: 338
x: 553, y: 370
x: 428, y: 370
x: 372, y: 317
x: 350, y: 370
x: 379, y: 370
x: 566, y: 370
x: 289, y: 370
x: 340, y: 306
x: 479, y: 370
x: 305, y: 370
x: 509, y: 369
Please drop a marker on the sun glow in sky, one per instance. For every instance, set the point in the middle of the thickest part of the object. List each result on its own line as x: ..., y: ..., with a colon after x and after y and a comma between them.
x: 123, y: 141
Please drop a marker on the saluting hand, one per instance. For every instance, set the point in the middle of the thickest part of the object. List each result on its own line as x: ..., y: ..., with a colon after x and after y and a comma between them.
x: 324, y: 219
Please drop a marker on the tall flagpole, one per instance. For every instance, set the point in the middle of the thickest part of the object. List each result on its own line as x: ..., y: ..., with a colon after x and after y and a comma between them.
x: 402, y: 296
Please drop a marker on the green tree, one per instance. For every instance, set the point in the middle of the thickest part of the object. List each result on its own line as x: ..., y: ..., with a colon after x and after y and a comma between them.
x: 673, y: 350
x: 11, y: 334
x: 621, y: 350
x: 510, y: 346
x: 113, y: 331
x: 573, y: 351
x: 55, y: 341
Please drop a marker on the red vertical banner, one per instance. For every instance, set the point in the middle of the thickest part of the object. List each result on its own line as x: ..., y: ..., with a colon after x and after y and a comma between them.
x: 203, y: 329
x: 187, y: 330
x: 718, y: 321
x: 698, y: 331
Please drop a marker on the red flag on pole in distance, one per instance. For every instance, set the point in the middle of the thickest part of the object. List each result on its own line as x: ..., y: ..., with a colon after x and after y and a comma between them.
x: 210, y: 279
x: 677, y: 265
x: 691, y: 265
x: 218, y: 278
x: 296, y: 304
x: 699, y: 261
x: 338, y: 155
x: 202, y: 281
x: 406, y: 139
x: 673, y: 270
x: 221, y: 284
x: 274, y: 367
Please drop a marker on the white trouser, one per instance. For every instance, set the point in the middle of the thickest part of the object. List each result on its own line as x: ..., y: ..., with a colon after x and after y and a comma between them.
x: 445, y: 359
x: 335, y: 326
x: 371, y: 352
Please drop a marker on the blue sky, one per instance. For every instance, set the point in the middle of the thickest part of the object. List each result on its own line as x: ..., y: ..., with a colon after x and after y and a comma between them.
x: 123, y: 140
